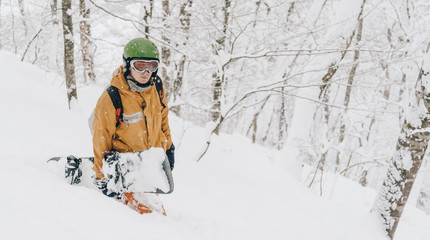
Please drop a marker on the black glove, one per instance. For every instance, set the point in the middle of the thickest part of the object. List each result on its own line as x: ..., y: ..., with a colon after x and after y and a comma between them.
x: 102, y: 185
x: 171, y: 156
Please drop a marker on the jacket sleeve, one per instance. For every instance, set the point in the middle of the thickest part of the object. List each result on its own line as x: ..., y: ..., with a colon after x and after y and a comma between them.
x: 104, y: 125
x: 165, y: 122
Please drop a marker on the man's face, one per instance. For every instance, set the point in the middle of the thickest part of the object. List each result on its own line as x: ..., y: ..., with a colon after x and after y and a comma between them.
x: 140, y: 77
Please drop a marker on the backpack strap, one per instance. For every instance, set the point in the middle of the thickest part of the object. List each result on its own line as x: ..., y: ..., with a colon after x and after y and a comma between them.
x: 159, y: 86
x: 117, y: 103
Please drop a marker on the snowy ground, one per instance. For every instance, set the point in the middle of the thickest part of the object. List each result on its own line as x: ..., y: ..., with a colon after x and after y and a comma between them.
x: 238, y: 191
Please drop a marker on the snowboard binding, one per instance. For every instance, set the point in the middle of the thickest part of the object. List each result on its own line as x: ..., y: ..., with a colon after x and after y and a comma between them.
x: 116, y: 183
x: 72, y: 171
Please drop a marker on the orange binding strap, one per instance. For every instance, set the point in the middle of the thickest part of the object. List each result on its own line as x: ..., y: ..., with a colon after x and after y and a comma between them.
x: 129, y: 200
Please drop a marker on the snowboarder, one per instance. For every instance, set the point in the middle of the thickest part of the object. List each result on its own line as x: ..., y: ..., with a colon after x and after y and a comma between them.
x: 139, y: 123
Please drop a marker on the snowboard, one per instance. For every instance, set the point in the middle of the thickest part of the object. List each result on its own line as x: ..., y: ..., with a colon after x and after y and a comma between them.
x: 140, y: 172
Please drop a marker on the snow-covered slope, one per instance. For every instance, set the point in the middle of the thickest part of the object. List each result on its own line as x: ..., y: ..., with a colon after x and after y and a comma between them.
x: 235, y: 192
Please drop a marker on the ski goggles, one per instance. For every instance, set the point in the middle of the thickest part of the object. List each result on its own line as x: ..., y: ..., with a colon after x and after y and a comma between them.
x: 140, y: 65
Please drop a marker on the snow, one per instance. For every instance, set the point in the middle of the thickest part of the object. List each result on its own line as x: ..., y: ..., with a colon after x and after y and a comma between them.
x: 239, y: 190
x: 145, y: 172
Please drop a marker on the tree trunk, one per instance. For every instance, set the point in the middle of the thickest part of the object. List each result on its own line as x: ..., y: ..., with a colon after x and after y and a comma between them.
x: 324, y: 95
x: 282, y: 121
x: 165, y: 51
x: 218, y: 78
x: 69, y: 65
x: 177, y: 83
x: 215, y: 112
x: 398, y: 183
x: 22, y: 11
x: 87, y: 47
x: 54, y: 38
x: 147, y: 16
x: 348, y: 90
x: 404, y: 166
x: 185, y: 19
x: 15, y: 46
x: 254, y: 123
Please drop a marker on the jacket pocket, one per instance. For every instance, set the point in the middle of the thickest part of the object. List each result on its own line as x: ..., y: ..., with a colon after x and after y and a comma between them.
x: 133, y: 118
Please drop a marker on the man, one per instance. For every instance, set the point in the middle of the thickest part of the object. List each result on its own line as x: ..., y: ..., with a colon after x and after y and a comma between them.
x: 142, y: 122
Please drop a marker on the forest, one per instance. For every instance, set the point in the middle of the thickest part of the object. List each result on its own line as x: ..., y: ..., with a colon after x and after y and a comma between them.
x: 340, y: 87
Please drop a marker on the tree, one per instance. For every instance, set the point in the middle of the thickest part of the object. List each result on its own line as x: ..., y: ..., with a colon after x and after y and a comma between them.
x: 349, y: 89
x: 165, y: 50
x: 147, y: 15
x: 325, y: 94
x: 406, y: 162
x: 185, y: 22
x: 22, y: 11
x: 87, y: 46
x: 52, y: 61
x: 283, y: 121
x: 69, y: 64
x: 218, y: 77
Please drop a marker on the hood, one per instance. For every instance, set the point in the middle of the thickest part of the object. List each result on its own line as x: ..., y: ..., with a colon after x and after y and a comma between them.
x: 118, y: 80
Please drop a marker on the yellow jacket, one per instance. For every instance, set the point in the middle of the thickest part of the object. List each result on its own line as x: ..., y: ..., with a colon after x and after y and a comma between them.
x: 142, y: 128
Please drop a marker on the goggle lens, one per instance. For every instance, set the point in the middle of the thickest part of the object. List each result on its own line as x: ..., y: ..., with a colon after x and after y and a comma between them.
x: 144, y: 65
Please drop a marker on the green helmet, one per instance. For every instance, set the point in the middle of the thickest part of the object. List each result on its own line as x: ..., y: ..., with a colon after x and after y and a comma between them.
x: 141, y: 48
